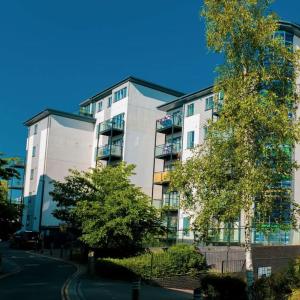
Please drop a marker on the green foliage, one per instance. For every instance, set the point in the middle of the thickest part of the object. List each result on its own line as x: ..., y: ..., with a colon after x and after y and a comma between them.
x: 112, y: 213
x: 9, y: 213
x: 219, y: 287
x: 177, y: 260
x: 245, y: 157
x: 279, y: 285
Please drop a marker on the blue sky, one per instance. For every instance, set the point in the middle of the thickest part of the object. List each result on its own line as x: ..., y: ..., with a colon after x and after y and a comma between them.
x: 54, y: 54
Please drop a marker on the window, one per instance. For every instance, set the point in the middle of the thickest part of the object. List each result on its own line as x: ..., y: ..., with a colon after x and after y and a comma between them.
x: 186, y: 226
x: 33, y: 151
x: 31, y: 174
x: 109, y: 101
x: 35, y: 129
x: 264, y: 272
x: 190, y: 139
x: 120, y: 94
x: 205, y: 130
x: 99, y: 106
x: 118, y: 121
x: 190, y: 110
x: 209, y: 103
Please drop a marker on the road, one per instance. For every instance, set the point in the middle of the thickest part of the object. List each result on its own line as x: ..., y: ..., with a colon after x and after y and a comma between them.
x: 39, y: 278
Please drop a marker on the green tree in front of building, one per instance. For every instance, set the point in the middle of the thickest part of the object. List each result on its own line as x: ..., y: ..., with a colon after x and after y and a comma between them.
x: 112, y: 214
x: 9, y: 213
x: 238, y: 170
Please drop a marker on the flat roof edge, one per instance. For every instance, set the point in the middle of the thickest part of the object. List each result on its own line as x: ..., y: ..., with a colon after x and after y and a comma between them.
x: 186, y: 98
x: 47, y: 112
x: 132, y: 79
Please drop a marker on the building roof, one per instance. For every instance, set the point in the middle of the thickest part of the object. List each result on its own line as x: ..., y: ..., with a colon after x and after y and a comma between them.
x: 290, y: 27
x: 186, y: 98
x: 142, y: 82
x: 47, y: 112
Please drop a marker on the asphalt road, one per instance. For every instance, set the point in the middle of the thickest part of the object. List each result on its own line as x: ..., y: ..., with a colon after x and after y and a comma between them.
x: 40, y: 278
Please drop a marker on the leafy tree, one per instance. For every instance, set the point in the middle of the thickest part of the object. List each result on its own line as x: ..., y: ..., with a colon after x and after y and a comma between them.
x: 75, y: 187
x: 247, y: 152
x: 9, y: 213
x: 113, y: 214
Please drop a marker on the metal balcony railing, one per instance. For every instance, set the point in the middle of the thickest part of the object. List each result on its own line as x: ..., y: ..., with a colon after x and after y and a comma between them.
x: 167, y: 151
x: 111, y: 127
x: 161, y: 178
x: 169, y: 123
x: 110, y: 152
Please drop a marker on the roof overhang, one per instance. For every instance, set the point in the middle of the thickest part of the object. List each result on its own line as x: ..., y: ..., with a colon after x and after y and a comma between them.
x: 290, y: 27
x: 138, y: 81
x: 47, y: 112
x: 179, y: 102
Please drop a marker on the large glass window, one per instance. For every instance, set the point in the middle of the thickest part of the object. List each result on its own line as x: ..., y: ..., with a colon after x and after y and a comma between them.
x: 209, y: 103
x: 31, y: 174
x: 99, y: 106
x: 33, y: 151
x: 190, y: 110
x: 186, y: 226
x: 120, y: 94
x: 109, y: 102
x: 190, y: 139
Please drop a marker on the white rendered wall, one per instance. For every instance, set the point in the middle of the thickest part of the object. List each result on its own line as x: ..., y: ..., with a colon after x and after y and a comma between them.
x: 62, y: 144
x: 140, y: 125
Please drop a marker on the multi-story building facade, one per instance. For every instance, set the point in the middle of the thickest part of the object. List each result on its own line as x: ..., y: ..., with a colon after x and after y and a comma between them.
x: 184, y: 126
x: 114, y: 125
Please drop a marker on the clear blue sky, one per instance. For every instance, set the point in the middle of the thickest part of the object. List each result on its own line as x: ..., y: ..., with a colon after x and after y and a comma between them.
x: 54, y: 54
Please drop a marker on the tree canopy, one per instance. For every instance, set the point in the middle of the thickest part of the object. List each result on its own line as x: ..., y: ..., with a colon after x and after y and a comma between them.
x: 112, y: 213
x: 239, y: 169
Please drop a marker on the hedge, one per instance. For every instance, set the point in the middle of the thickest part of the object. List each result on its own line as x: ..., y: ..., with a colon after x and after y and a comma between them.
x: 177, y: 260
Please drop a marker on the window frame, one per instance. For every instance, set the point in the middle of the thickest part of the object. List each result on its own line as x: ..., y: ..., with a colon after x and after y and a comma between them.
x: 192, y: 134
x: 191, y: 112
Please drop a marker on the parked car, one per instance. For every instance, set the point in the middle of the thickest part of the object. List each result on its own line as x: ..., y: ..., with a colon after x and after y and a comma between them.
x: 25, y: 240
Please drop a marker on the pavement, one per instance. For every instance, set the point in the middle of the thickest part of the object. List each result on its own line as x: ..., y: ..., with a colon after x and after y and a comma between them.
x: 35, y: 276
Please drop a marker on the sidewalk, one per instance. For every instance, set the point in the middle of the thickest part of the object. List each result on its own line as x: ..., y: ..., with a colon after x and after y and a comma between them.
x: 105, y: 289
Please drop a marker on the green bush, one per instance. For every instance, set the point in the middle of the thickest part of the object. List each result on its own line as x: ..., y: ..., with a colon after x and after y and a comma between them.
x: 218, y: 287
x: 279, y: 285
x: 177, y: 260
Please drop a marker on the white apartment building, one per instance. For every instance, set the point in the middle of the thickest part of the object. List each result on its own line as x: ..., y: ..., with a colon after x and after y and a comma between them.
x: 184, y: 126
x: 114, y: 125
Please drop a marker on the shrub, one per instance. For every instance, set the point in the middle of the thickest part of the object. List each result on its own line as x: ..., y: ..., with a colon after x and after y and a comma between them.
x: 218, y: 287
x: 177, y: 260
x: 279, y: 285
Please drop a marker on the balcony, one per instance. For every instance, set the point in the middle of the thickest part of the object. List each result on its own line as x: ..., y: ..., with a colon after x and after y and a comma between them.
x: 171, y: 201
x: 111, y: 127
x: 169, y: 124
x: 110, y: 152
x: 161, y: 178
x: 84, y: 111
x: 168, y: 151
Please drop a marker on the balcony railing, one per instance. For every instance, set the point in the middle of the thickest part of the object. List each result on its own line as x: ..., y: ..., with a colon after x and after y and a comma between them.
x: 111, y: 127
x: 168, y: 151
x: 171, y: 200
x: 110, y: 152
x: 85, y: 112
x: 169, y: 124
x: 161, y: 178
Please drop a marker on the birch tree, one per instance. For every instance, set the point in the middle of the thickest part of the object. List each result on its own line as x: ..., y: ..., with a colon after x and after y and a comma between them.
x: 239, y: 168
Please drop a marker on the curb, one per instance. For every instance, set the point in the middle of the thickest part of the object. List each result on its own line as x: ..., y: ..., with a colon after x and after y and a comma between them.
x: 70, y: 289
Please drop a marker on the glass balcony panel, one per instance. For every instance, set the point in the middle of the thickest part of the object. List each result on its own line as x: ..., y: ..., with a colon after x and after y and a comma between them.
x: 161, y: 178
x: 113, y: 125
x: 165, y: 124
x: 110, y: 151
x: 167, y: 150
